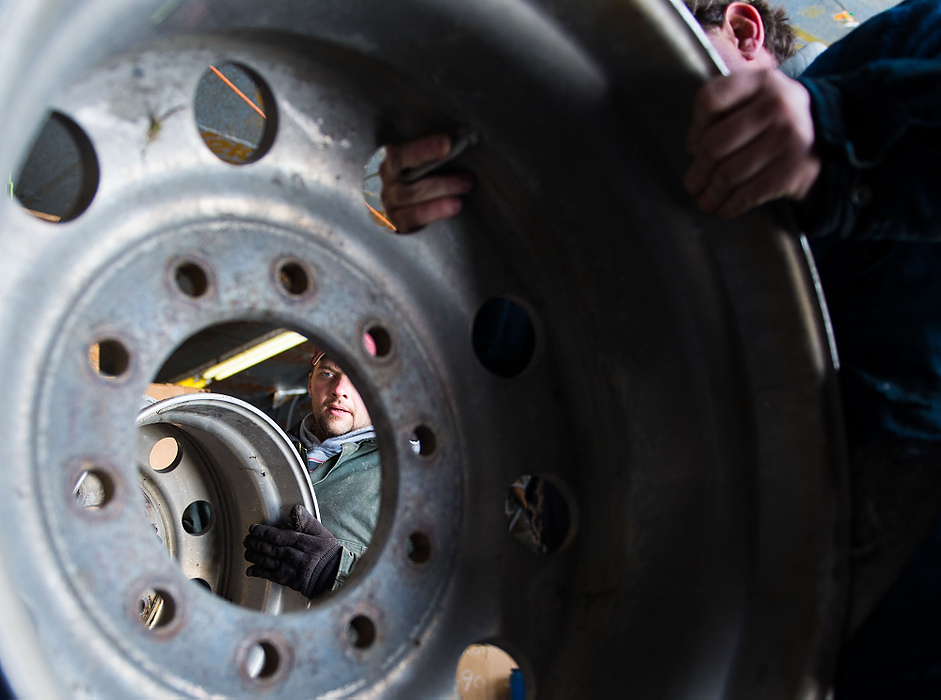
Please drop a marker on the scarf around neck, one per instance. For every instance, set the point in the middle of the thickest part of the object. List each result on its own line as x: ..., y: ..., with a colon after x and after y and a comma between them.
x: 319, y: 452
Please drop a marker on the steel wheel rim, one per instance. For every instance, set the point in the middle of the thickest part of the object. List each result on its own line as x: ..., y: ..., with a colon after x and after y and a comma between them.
x: 695, y: 330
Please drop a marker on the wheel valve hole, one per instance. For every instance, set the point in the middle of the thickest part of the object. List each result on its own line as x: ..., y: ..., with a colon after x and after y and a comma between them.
x: 361, y: 632
x: 191, y: 279
x: 93, y: 489
x: 156, y: 609
x: 538, y: 513
x: 503, y: 337
x: 418, y: 548
x: 196, y: 518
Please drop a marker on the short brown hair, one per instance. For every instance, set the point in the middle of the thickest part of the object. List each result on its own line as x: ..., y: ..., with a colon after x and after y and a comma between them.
x: 779, y: 35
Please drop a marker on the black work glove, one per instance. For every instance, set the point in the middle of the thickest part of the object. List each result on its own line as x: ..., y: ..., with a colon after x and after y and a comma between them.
x: 304, y: 556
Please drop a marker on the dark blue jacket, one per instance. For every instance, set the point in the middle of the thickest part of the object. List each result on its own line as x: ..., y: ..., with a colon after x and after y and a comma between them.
x: 874, y: 218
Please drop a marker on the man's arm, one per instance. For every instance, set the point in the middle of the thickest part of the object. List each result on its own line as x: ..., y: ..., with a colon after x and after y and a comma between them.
x: 432, y: 198
x: 879, y: 132
x: 875, y: 103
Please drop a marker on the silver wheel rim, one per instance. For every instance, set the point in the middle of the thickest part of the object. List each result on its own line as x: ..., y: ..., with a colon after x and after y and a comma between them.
x: 703, y: 475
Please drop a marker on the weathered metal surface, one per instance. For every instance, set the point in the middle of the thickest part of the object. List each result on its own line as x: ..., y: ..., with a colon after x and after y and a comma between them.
x: 680, y: 393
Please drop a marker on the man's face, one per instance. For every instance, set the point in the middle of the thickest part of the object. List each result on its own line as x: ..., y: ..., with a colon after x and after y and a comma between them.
x: 335, y: 403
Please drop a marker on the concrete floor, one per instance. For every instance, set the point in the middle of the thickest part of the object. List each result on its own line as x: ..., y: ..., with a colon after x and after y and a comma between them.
x: 829, y: 20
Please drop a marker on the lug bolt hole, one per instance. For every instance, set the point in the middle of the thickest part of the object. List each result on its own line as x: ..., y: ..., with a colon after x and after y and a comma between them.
x: 93, y: 489
x: 262, y: 661
x: 109, y: 358
x: 156, y: 609
x: 361, y: 632
x: 191, y: 279
x: 377, y: 341
x: 293, y: 279
x: 423, y: 441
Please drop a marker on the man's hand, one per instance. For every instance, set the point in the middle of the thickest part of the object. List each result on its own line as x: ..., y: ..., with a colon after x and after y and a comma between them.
x: 435, y: 197
x: 752, y: 141
x: 304, y: 557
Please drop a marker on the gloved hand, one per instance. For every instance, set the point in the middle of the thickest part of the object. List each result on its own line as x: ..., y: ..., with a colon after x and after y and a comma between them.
x: 304, y: 556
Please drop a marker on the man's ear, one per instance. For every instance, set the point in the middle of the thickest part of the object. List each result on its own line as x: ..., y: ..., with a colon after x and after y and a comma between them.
x: 744, y: 22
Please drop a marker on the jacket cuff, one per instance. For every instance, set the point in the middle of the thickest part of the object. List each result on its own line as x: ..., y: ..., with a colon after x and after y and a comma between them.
x: 347, y: 562
x: 837, y: 197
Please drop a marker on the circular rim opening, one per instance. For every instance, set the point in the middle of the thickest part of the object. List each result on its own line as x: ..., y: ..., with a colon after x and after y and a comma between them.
x: 196, y: 518
x: 504, y: 337
x: 235, y: 113
x: 59, y: 178
x: 540, y: 513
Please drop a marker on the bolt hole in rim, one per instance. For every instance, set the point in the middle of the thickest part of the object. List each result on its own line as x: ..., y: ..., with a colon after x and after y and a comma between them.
x: 110, y: 358
x: 256, y: 208
x: 191, y: 279
x: 294, y: 278
x: 94, y: 489
x: 377, y: 342
x: 156, y: 609
x: 423, y: 441
x: 362, y: 632
x: 418, y: 548
x: 267, y: 665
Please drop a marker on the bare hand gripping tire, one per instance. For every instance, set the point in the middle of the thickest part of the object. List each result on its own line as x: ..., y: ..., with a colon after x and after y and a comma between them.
x: 679, y: 391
